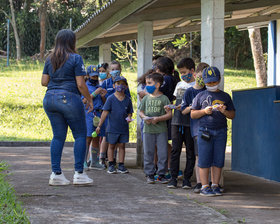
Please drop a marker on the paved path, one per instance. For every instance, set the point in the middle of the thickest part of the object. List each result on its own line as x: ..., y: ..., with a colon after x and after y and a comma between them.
x: 126, y: 198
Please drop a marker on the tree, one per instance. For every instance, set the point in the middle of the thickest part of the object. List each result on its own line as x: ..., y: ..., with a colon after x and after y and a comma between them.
x: 257, y: 51
x: 42, y: 16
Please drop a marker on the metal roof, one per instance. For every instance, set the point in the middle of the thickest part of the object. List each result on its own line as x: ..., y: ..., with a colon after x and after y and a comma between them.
x: 118, y: 20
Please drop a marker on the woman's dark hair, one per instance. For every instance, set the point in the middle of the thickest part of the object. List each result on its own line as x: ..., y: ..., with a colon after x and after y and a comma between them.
x: 103, y: 65
x: 65, y: 44
x: 142, y: 79
x: 156, y: 77
x: 166, y: 66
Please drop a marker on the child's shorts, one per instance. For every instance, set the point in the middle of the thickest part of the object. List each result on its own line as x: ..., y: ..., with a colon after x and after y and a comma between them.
x: 212, y: 152
x: 195, y: 145
x: 114, y: 138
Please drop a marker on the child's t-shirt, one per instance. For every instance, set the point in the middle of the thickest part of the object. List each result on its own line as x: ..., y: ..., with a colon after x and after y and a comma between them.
x: 118, y: 112
x: 97, y: 101
x: 154, y: 107
x: 188, y: 97
x: 178, y: 118
x: 216, y: 120
x: 108, y: 85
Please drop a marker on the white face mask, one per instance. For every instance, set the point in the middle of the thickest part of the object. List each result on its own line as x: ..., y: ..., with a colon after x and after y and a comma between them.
x: 212, y: 88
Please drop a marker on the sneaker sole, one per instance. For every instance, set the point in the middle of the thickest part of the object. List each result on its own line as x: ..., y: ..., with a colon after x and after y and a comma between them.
x: 196, y: 191
x: 150, y: 182
x: 58, y: 183
x: 82, y: 184
x: 186, y: 187
x: 171, y: 186
x: 114, y: 172
x: 208, y: 195
x: 97, y: 168
x: 122, y: 172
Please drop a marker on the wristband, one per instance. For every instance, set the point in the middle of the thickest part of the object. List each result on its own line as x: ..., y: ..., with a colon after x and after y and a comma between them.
x: 93, y: 94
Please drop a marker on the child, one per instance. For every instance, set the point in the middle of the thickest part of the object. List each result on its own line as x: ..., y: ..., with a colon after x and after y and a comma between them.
x: 212, y: 107
x: 155, y: 130
x: 186, y: 108
x: 96, y: 93
x: 119, y: 108
x: 103, y: 72
x: 180, y: 127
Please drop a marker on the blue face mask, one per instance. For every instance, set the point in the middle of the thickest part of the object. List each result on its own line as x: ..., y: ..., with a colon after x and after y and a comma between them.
x: 187, y: 77
x: 115, y: 73
x: 120, y: 88
x: 102, y: 75
x: 151, y: 89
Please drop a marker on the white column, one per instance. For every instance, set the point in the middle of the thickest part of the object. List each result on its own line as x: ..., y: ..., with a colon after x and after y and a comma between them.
x: 271, y: 54
x: 144, y: 63
x: 104, y: 53
x: 277, y: 52
x: 212, y: 34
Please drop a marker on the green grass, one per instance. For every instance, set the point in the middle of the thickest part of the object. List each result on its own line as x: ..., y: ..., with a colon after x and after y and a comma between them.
x: 22, y: 117
x: 10, y: 209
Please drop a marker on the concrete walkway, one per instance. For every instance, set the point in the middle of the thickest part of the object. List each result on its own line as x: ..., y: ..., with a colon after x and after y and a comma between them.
x: 126, y: 198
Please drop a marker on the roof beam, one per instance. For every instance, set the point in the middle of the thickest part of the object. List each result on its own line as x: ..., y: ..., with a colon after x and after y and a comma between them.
x: 112, y: 21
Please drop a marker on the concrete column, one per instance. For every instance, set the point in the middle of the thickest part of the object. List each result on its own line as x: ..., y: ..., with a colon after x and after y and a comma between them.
x: 212, y: 34
x: 104, y: 53
x: 277, y: 52
x: 144, y: 63
x: 271, y: 54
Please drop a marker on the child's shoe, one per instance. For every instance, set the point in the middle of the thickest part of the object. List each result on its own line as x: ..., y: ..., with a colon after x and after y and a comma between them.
x: 102, y: 162
x: 162, y: 180
x: 217, y: 191
x: 150, y: 179
x: 122, y: 169
x: 172, y: 183
x: 197, y: 188
x: 58, y: 180
x: 186, y: 184
x: 81, y: 179
x: 86, y: 166
x: 168, y: 175
x: 112, y: 169
x: 96, y: 166
x: 180, y: 175
x: 207, y: 191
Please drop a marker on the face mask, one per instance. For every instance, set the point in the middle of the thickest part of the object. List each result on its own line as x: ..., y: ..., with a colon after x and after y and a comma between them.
x: 187, y: 77
x: 102, y: 75
x: 151, y: 89
x: 120, y: 88
x: 212, y: 88
x: 115, y: 73
x: 93, y: 82
x: 199, y: 81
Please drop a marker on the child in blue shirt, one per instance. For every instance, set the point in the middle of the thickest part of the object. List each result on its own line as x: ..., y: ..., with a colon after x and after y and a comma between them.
x: 118, y: 108
x: 96, y: 93
x: 212, y: 107
x: 103, y: 72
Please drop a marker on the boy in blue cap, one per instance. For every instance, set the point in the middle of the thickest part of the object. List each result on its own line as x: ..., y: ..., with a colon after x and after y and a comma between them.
x: 96, y: 93
x: 212, y: 107
x: 118, y: 108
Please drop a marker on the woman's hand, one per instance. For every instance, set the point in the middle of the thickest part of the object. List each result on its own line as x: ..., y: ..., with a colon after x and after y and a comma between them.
x: 208, y: 110
x: 89, y: 106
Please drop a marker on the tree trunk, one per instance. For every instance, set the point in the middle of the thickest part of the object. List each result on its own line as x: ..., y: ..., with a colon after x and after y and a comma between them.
x: 13, y: 22
x: 42, y: 16
x: 257, y: 51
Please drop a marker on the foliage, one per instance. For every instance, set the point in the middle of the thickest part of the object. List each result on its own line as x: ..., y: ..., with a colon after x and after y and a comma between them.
x: 10, y: 209
x: 180, y: 42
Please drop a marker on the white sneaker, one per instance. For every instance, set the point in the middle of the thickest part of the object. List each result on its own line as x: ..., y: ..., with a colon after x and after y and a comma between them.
x: 57, y: 180
x: 81, y: 179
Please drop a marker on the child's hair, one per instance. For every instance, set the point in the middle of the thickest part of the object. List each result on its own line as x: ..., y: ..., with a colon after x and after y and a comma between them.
x: 157, y: 77
x: 103, y: 65
x: 186, y: 63
x: 201, y: 66
x: 116, y: 63
x: 142, y: 79
x: 166, y: 65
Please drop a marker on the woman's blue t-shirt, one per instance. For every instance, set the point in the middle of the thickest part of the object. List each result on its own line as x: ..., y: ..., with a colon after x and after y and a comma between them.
x: 64, y: 77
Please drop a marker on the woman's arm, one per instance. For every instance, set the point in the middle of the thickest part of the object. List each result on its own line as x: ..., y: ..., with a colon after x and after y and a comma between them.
x: 84, y: 91
x: 45, y: 80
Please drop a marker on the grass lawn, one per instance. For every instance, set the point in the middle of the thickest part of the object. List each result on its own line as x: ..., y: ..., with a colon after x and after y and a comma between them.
x: 22, y: 117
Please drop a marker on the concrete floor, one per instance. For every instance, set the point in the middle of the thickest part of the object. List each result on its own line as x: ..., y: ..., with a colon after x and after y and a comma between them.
x: 126, y: 198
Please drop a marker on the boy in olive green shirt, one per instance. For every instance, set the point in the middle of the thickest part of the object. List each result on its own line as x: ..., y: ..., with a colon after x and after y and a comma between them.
x: 155, y: 129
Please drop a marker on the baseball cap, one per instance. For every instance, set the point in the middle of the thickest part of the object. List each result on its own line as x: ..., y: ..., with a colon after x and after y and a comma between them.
x: 211, y: 74
x: 92, y: 70
x: 120, y: 78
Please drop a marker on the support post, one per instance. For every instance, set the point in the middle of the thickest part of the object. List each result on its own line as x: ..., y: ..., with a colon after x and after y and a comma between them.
x: 8, y: 42
x: 271, y: 54
x: 104, y: 53
x: 144, y: 63
x: 212, y: 34
x: 277, y: 52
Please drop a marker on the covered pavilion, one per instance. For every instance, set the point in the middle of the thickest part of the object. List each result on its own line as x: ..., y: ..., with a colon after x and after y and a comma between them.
x: 145, y: 20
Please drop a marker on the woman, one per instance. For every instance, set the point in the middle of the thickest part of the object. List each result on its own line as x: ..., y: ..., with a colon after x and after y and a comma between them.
x: 64, y: 76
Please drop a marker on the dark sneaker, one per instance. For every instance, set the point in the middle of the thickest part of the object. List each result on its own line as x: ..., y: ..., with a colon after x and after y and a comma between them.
x: 221, y: 189
x: 168, y: 175
x: 122, y: 169
x: 172, y: 183
x: 197, y: 188
x: 150, y: 179
x: 162, y: 180
x: 207, y: 191
x: 186, y: 184
x: 217, y: 191
x: 112, y: 169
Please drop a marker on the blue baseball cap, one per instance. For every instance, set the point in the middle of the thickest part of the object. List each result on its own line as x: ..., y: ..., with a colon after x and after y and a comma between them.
x: 92, y: 70
x: 120, y: 78
x: 211, y: 74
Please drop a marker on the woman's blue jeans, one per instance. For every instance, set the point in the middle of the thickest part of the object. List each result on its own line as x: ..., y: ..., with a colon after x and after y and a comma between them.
x: 66, y: 109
